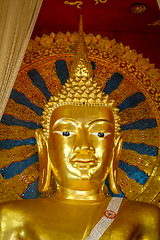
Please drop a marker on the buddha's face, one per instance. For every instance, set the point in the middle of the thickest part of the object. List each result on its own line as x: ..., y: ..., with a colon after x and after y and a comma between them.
x: 80, y: 145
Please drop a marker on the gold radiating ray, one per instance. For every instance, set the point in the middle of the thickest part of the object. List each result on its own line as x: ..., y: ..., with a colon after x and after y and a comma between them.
x: 15, y: 132
x: 144, y: 162
x: 6, y: 191
x: 25, y: 85
x: 141, y: 111
x: 22, y: 112
x: 16, y: 154
x: 128, y: 185
x: 147, y: 136
x: 124, y: 90
x: 31, y: 173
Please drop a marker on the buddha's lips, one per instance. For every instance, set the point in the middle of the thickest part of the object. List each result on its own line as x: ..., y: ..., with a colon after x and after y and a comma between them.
x: 84, y: 164
x: 84, y: 159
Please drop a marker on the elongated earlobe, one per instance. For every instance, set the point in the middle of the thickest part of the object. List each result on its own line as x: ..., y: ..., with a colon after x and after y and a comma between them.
x: 114, y: 166
x: 45, y: 164
x: 113, y: 178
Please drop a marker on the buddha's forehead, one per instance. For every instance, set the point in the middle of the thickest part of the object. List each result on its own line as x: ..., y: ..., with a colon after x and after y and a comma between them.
x: 82, y: 114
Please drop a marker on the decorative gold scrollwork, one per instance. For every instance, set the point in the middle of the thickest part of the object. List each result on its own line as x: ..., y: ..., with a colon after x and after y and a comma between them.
x: 101, y: 1
x: 78, y: 3
x: 156, y: 23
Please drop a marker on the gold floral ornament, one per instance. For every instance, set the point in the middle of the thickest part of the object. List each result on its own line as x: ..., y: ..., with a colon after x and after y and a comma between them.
x: 46, y: 41
x: 138, y: 8
x: 81, y: 89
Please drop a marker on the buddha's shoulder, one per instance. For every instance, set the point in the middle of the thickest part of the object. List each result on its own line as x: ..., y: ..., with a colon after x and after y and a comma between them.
x: 28, y: 205
x: 140, y: 209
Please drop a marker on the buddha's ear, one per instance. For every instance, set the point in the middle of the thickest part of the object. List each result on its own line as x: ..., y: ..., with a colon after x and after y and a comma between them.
x: 114, y: 165
x: 45, y: 164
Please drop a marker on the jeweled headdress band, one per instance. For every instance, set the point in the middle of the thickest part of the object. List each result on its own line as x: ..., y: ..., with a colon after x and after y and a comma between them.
x: 81, y: 89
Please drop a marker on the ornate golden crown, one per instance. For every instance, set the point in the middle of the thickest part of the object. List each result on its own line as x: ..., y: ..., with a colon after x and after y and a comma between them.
x: 81, y: 89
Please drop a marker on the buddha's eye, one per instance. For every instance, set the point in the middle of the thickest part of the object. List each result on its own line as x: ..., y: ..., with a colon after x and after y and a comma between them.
x: 101, y: 134
x: 66, y: 134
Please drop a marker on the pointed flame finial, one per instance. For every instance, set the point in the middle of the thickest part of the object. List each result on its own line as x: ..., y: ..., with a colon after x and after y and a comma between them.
x: 81, y: 66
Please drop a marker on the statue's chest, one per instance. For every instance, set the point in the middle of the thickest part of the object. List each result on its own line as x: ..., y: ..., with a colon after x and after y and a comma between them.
x: 61, y: 223
x: 122, y: 229
x: 64, y: 221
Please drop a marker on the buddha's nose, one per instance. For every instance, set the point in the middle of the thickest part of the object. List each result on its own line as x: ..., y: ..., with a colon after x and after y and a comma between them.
x: 83, y: 143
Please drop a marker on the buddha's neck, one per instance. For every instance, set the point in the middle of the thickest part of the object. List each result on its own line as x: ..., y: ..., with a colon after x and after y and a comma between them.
x: 66, y: 193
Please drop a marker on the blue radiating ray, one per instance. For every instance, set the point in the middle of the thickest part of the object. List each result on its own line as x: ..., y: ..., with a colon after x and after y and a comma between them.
x: 9, y: 143
x: 121, y: 194
x: 32, y: 191
x: 131, y: 101
x: 62, y: 71
x: 141, y: 124
x: 39, y: 82
x: 18, y: 167
x: 113, y: 83
x: 93, y: 64
x: 10, y: 120
x: 134, y: 172
x: 20, y: 98
x: 141, y: 148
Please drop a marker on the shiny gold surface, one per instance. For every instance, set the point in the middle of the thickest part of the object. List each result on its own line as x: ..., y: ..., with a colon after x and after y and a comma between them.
x: 81, y: 145
x: 44, y: 221
x: 80, y: 89
x: 109, y: 57
x: 83, y: 153
x: 80, y: 160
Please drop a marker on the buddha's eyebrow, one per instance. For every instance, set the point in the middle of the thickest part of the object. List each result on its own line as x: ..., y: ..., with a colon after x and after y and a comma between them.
x: 65, y: 120
x: 92, y: 123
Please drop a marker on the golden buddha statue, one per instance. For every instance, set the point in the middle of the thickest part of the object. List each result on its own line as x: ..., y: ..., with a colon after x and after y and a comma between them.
x: 80, y: 143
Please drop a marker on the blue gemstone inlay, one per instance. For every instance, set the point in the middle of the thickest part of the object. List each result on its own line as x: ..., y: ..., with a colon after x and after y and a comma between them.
x: 18, y: 167
x: 62, y: 71
x: 32, y: 191
x: 9, y: 143
x: 141, y: 124
x: 141, y: 148
x: 113, y: 83
x: 22, y: 99
x: 10, y: 120
x: 39, y: 83
x: 131, y: 101
x: 134, y: 172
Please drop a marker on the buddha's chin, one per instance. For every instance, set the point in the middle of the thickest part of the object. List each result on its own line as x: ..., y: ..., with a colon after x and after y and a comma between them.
x: 83, y: 170
x: 84, y: 173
